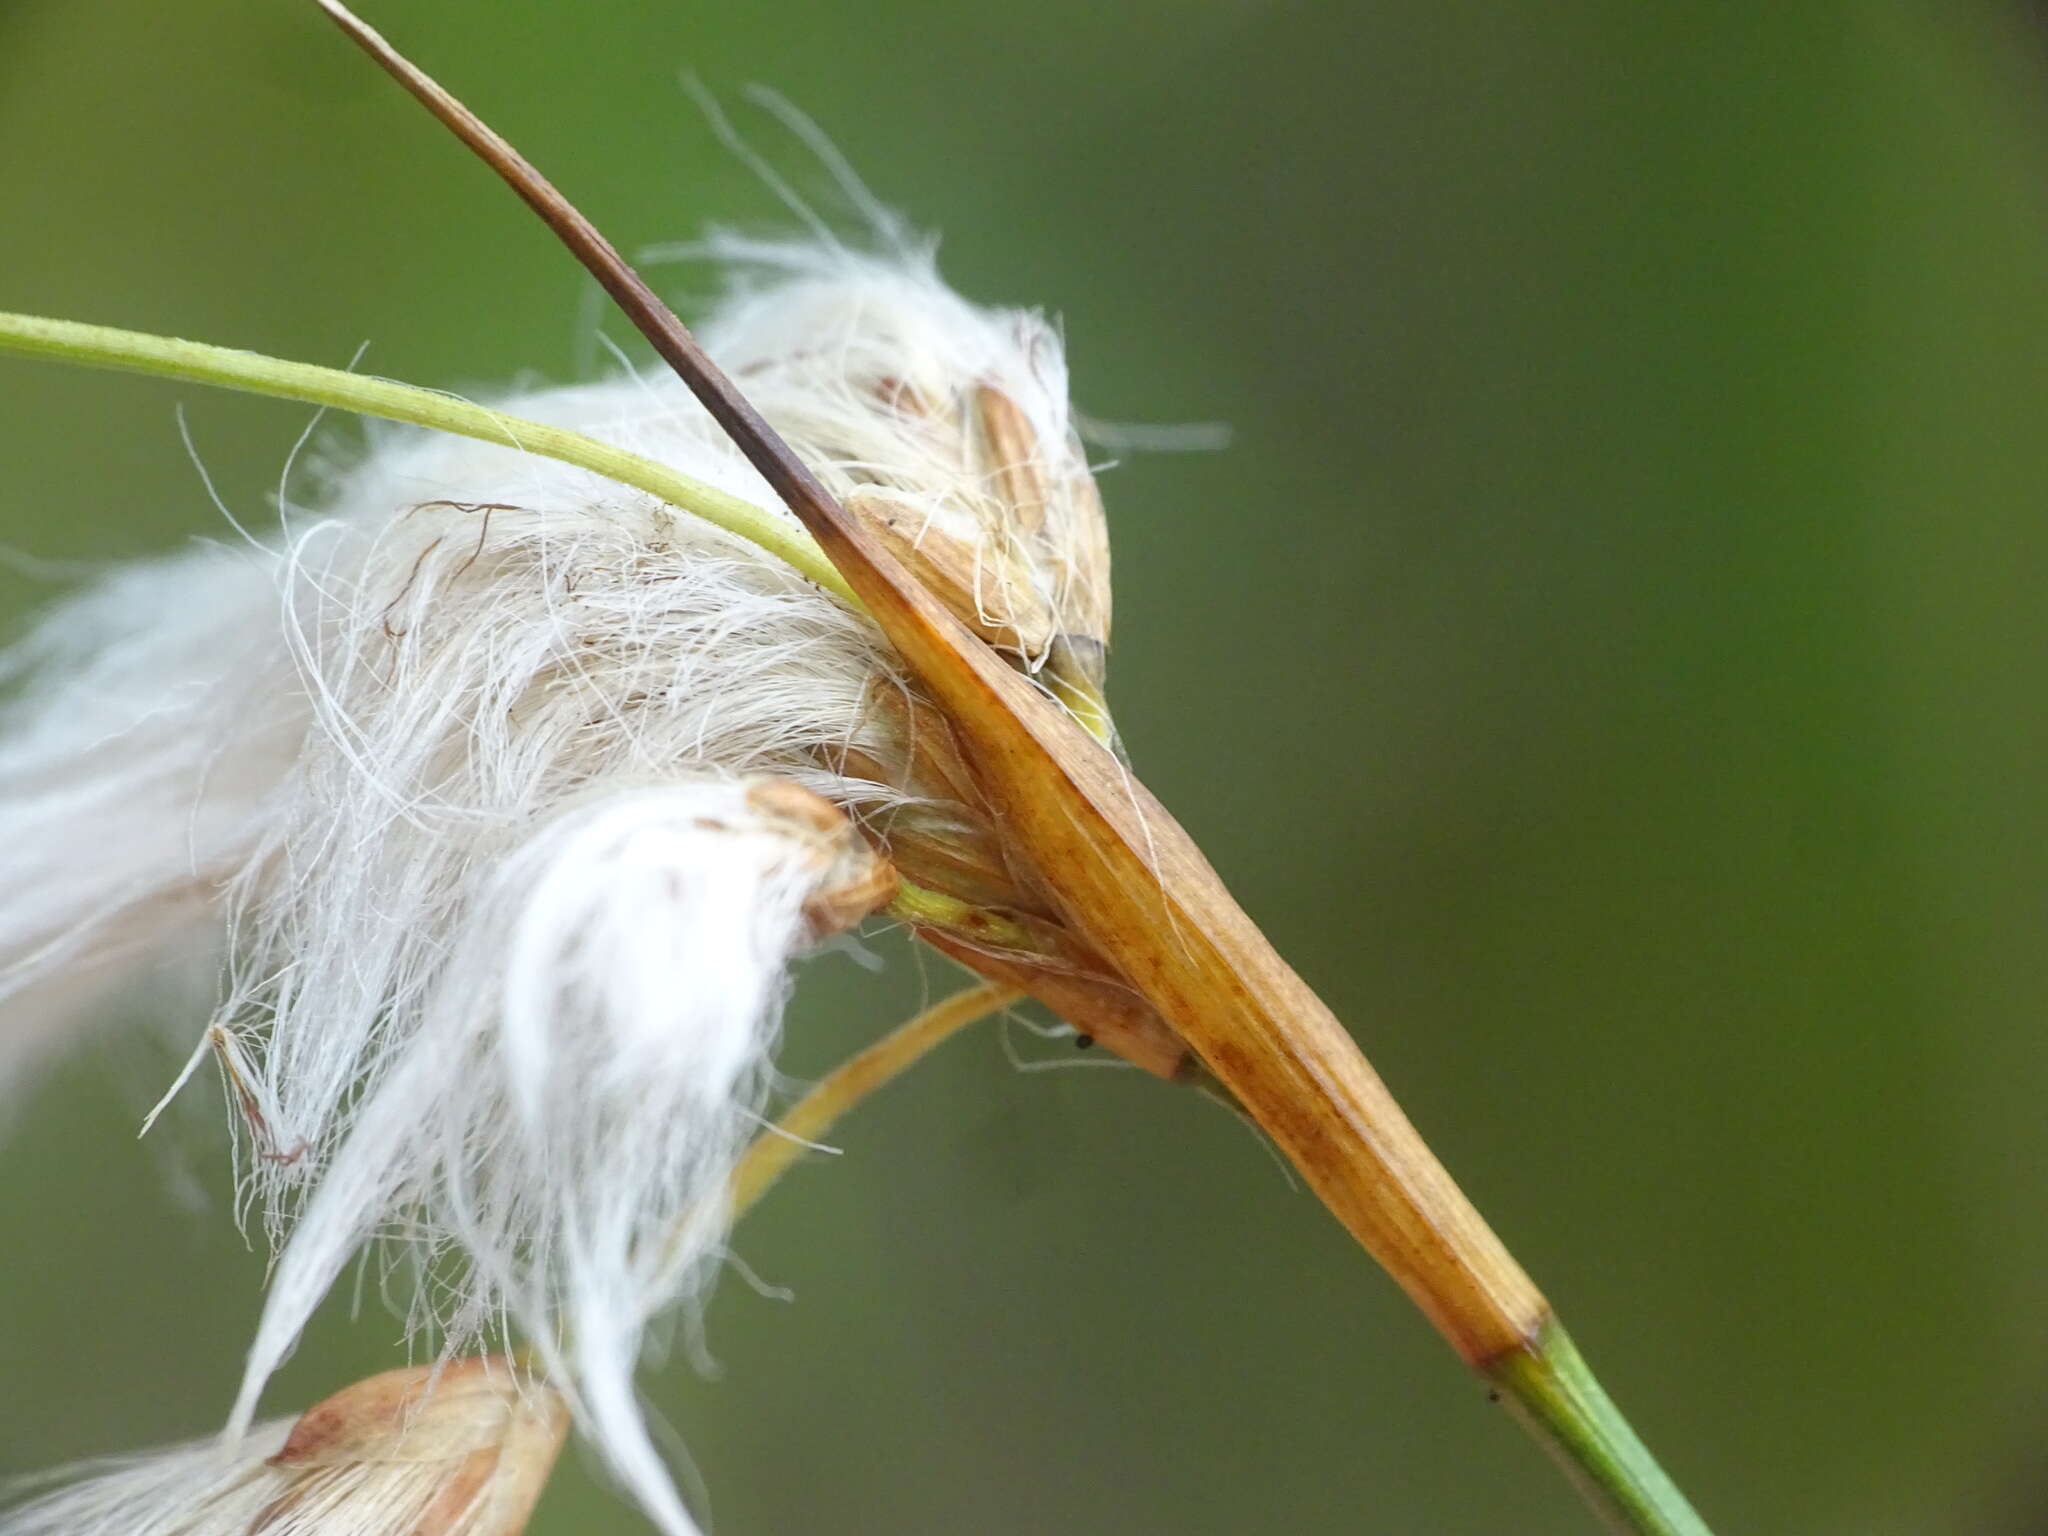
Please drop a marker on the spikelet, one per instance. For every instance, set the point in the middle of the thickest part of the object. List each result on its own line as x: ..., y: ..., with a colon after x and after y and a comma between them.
x: 459, y: 1450
x: 945, y: 428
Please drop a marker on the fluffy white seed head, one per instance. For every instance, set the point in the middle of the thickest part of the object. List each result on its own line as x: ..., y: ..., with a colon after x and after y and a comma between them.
x: 459, y: 1450
x: 466, y: 766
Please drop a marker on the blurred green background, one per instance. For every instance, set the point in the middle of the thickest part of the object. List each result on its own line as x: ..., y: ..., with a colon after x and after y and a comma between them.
x: 1612, y: 660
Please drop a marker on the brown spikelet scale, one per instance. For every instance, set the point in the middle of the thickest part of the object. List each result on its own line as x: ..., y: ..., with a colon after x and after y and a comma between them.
x: 857, y: 880
x: 982, y: 585
x: 486, y: 1435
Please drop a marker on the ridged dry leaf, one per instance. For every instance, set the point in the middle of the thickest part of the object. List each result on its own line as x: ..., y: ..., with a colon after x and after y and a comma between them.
x: 1123, y: 873
x: 1009, y: 932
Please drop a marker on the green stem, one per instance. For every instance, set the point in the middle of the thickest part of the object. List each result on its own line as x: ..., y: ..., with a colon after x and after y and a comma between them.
x: 195, y: 362
x: 925, y: 908
x: 1563, y: 1406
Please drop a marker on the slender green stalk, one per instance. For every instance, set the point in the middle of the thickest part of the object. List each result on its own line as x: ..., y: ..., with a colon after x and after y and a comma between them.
x: 1556, y: 1397
x: 195, y: 362
x: 777, y: 1148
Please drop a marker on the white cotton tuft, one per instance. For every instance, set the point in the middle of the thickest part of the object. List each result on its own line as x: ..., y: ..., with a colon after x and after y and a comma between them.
x: 461, y: 770
x: 588, y: 1062
x: 209, y: 1488
x: 158, y: 713
x: 461, y: 1450
x: 945, y: 426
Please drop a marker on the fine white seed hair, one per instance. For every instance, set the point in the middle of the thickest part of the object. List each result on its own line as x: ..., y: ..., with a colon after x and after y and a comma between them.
x: 587, y: 1062
x: 462, y: 770
x: 208, y: 1488
x: 880, y: 376
x: 155, y: 715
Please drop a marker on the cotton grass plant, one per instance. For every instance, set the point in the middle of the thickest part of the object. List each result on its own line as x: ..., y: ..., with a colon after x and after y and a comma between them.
x: 509, y: 778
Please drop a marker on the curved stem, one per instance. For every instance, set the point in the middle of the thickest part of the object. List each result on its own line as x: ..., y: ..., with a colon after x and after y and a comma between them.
x: 196, y: 362
x: 776, y: 1149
